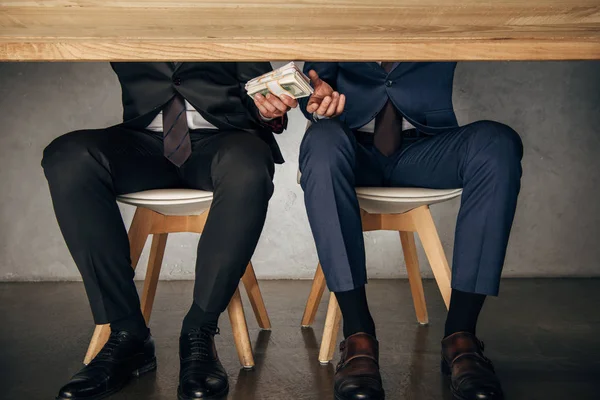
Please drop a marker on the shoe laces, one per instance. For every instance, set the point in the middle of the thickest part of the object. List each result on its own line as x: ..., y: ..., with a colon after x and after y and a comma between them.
x: 114, y: 340
x: 201, y: 340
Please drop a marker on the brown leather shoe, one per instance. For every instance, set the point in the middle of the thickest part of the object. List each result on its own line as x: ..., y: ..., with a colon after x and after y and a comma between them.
x: 472, y: 375
x: 357, y: 374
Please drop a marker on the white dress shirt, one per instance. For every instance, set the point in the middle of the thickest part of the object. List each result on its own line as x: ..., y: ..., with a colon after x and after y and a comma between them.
x: 194, y: 120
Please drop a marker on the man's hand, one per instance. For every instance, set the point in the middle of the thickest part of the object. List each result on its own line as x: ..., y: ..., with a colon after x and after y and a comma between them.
x: 325, y: 102
x: 273, y: 106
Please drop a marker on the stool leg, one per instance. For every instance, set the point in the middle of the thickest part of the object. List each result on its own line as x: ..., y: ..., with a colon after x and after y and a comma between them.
x: 433, y: 249
x: 157, y: 252
x: 241, y: 336
x: 99, y: 338
x: 138, y: 234
x: 330, y: 333
x: 414, y: 276
x: 314, y: 298
x: 256, y: 299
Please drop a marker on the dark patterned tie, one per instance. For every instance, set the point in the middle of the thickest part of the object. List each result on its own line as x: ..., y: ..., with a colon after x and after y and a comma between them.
x: 176, y: 134
x: 388, y: 125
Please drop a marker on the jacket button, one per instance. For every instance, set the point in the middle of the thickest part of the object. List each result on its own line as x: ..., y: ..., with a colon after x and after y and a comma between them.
x: 177, y: 81
x: 388, y: 83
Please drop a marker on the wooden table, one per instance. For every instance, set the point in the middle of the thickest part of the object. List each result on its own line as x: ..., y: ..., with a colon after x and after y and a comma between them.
x: 344, y: 30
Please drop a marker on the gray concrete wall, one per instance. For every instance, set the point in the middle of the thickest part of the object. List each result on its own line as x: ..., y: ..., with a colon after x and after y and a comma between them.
x: 555, y: 107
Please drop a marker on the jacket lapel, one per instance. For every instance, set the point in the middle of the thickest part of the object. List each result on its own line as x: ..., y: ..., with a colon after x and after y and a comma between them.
x: 402, y: 68
x: 377, y: 65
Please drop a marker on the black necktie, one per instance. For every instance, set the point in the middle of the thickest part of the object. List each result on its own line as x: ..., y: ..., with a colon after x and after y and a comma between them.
x: 388, y: 124
x: 176, y: 134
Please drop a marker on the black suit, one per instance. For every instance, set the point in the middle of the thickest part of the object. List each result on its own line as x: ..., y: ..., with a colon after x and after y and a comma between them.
x: 216, y: 90
x: 87, y: 169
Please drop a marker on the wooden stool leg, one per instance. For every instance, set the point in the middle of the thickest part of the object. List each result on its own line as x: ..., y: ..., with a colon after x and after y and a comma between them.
x: 138, y: 234
x: 157, y: 252
x: 241, y: 336
x: 256, y: 299
x: 414, y: 276
x: 314, y: 298
x: 330, y: 333
x: 99, y: 338
x: 433, y: 249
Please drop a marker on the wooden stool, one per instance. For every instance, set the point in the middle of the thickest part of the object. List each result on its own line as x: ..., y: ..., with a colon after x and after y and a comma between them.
x: 158, y: 213
x: 405, y: 210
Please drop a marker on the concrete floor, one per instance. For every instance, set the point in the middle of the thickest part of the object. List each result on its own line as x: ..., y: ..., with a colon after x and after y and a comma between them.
x: 543, y: 335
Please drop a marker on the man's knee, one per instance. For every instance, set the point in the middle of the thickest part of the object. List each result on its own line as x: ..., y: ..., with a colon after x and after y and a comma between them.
x: 68, y: 158
x: 325, y: 144
x: 498, y: 141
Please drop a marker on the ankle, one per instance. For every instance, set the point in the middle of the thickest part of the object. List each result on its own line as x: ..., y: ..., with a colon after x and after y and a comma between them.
x: 464, y: 312
x: 355, y: 311
x: 368, y: 328
x: 133, y: 324
x: 198, y: 319
x: 450, y: 330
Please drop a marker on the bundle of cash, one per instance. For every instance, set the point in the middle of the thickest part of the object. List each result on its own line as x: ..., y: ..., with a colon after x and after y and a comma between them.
x: 288, y: 80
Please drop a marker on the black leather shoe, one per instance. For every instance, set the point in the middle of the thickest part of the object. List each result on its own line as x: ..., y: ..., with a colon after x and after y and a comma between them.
x: 357, y: 374
x: 201, y: 375
x: 122, y: 357
x: 472, y: 375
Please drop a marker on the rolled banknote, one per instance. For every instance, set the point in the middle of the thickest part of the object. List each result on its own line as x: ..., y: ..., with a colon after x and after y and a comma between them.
x: 288, y: 80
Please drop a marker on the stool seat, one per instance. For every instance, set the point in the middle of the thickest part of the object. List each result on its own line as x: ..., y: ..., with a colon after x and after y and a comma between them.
x: 391, y: 200
x: 398, y: 200
x: 170, y: 201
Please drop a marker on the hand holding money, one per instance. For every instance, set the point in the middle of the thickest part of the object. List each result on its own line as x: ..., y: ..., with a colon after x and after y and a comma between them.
x: 274, y: 93
x: 325, y: 102
x: 288, y: 80
x: 271, y: 106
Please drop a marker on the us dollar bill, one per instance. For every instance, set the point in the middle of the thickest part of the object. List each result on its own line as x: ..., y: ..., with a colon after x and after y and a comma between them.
x: 287, y: 80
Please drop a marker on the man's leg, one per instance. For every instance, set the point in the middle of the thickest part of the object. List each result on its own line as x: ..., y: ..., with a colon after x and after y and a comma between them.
x: 86, y: 170
x: 332, y: 163
x: 238, y: 167
x: 484, y: 158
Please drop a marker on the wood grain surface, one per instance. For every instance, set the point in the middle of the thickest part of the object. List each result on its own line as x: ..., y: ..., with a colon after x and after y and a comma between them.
x: 344, y: 30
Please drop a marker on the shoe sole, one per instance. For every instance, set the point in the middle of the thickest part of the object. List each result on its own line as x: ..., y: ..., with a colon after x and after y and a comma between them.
x: 219, y: 395
x: 136, y: 373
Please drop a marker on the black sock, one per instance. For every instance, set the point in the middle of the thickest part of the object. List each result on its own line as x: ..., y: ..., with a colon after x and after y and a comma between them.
x: 464, y: 312
x: 355, y: 311
x: 134, y: 324
x: 197, y: 318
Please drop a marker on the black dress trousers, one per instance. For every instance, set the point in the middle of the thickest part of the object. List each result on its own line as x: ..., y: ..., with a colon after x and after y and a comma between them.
x: 87, y: 170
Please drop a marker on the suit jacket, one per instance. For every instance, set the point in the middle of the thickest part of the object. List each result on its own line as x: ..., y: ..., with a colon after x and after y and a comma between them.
x: 422, y: 92
x: 216, y: 90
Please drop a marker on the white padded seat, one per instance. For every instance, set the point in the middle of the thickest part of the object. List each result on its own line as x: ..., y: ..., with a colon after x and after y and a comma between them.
x: 387, y: 200
x: 170, y: 201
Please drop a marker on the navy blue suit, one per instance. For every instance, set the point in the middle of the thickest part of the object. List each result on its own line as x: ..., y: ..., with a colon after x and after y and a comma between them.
x: 483, y: 158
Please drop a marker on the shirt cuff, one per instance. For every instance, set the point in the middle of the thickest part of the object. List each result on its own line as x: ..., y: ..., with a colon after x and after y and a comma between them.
x: 276, y: 125
x: 317, y: 117
x: 263, y: 117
